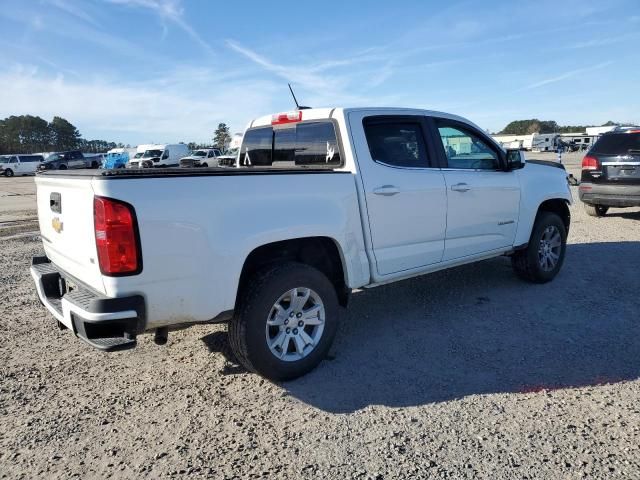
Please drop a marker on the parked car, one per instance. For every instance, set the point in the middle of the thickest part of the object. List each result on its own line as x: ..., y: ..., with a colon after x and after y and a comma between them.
x: 157, y: 156
x: 204, y: 157
x: 611, y: 172
x: 228, y: 158
x: 67, y: 160
x: 115, y: 160
x: 330, y: 200
x: 11, y: 165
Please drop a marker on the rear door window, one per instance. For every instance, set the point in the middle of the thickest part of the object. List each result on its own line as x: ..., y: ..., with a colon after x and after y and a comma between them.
x: 307, y: 144
x: 397, y: 143
x: 618, y: 144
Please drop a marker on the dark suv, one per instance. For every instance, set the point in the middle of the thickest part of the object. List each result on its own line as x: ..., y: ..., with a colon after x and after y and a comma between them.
x: 64, y: 160
x: 611, y: 172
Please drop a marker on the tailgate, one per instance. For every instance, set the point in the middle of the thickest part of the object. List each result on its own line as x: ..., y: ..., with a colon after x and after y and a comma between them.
x: 65, y: 215
x: 622, y: 169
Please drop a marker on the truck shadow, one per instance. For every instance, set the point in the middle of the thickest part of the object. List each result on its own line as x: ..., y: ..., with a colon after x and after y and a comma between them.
x: 477, y: 329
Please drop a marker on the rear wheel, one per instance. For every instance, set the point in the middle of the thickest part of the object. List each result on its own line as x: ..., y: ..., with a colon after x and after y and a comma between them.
x: 8, y: 172
x: 285, y: 322
x: 541, y: 261
x: 596, y: 210
x: 62, y: 167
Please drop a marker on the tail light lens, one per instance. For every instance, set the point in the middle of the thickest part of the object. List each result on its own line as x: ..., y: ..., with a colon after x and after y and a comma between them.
x: 590, y: 163
x: 117, y: 242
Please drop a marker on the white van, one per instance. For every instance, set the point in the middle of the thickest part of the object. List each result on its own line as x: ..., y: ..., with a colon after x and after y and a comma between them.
x: 161, y: 156
x: 11, y: 165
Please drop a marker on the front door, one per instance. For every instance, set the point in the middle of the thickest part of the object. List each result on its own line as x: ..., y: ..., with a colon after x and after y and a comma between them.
x: 483, y: 200
x: 405, y: 196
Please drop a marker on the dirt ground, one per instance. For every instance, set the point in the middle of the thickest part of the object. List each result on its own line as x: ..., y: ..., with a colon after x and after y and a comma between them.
x: 467, y: 373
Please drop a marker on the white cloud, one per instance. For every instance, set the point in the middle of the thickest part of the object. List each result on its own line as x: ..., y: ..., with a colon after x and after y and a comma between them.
x: 170, y: 111
x: 566, y: 75
x: 73, y: 9
x: 172, y: 11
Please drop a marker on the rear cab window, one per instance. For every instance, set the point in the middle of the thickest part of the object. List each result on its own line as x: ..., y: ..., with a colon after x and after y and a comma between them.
x: 310, y: 144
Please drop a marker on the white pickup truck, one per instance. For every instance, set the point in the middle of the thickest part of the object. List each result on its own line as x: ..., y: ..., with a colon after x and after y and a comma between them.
x: 323, y: 201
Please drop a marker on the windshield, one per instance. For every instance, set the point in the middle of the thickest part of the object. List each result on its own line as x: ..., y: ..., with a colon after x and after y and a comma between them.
x: 4, y: 159
x: 200, y: 153
x: 53, y: 158
x: 232, y: 152
x: 152, y: 153
x: 137, y: 155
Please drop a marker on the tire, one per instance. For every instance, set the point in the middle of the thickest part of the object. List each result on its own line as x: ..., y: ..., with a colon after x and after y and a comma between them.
x: 596, y: 210
x: 250, y: 332
x: 94, y: 165
x: 536, y: 263
x: 62, y: 167
x: 8, y: 172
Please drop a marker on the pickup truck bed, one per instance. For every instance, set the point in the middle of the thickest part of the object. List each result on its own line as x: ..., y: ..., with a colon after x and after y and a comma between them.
x: 376, y: 196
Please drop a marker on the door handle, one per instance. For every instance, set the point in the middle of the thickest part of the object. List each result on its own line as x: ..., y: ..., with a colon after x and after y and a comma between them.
x: 386, y: 190
x: 460, y: 187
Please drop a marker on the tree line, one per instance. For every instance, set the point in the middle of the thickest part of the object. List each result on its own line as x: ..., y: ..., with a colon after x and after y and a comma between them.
x: 533, y: 125
x: 30, y: 134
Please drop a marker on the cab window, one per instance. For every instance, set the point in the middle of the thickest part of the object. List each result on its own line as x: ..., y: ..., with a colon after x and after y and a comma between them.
x: 396, y: 143
x: 465, y: 150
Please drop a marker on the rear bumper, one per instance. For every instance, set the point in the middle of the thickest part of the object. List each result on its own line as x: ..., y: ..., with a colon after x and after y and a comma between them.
x: 104, y: 323
x: 610, y: 195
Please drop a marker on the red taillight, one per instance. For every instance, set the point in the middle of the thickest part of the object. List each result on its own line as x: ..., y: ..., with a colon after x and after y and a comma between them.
x: 590, y: 163
x: 289, y: 117
x: 116, y: 237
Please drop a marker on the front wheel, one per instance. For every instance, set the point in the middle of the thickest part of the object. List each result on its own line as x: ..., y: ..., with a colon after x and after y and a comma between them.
x: 541, y: 261
x: 285, y: 322
x: 596, y: 210
x: 8, y: 172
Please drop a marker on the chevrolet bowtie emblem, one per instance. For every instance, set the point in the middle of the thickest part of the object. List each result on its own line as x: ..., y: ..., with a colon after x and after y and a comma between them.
x: 56, y: 224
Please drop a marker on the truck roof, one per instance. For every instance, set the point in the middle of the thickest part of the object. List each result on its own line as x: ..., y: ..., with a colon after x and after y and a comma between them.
x: 324, y: 113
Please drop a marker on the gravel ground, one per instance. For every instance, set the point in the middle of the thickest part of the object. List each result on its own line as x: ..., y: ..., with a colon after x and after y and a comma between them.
x: 467, y: 373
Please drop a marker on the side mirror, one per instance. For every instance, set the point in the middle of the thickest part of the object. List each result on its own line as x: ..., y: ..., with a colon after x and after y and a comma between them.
x: 515, y: 159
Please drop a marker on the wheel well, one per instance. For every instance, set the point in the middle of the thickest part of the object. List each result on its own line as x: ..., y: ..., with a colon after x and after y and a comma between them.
x: 560, y: 208
x: 319, y: 252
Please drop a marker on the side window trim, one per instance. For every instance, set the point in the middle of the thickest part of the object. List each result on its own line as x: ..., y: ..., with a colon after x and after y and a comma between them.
x: 468, y: 129
x: 420, y: 120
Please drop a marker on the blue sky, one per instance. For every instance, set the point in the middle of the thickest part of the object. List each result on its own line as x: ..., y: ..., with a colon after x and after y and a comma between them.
x: 141, y: 71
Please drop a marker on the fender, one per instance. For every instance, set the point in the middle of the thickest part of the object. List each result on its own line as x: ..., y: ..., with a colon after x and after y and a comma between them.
x: 539, y: 183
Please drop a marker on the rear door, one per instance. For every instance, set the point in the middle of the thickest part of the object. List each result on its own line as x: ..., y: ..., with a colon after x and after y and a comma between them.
x: 483, y: 201
x: 619, y: 155
x: 404, y: 191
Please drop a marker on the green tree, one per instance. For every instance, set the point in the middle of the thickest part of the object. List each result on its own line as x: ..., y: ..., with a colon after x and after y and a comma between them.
x: 64, y: 135
x: 221, y: 136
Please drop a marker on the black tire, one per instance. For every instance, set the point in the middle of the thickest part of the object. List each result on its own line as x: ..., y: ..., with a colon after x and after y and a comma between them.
x: 527, y: 263
x: 62, y: 167
x: 247, y: 334
x: 596, y: 210
x: 8, y: 172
